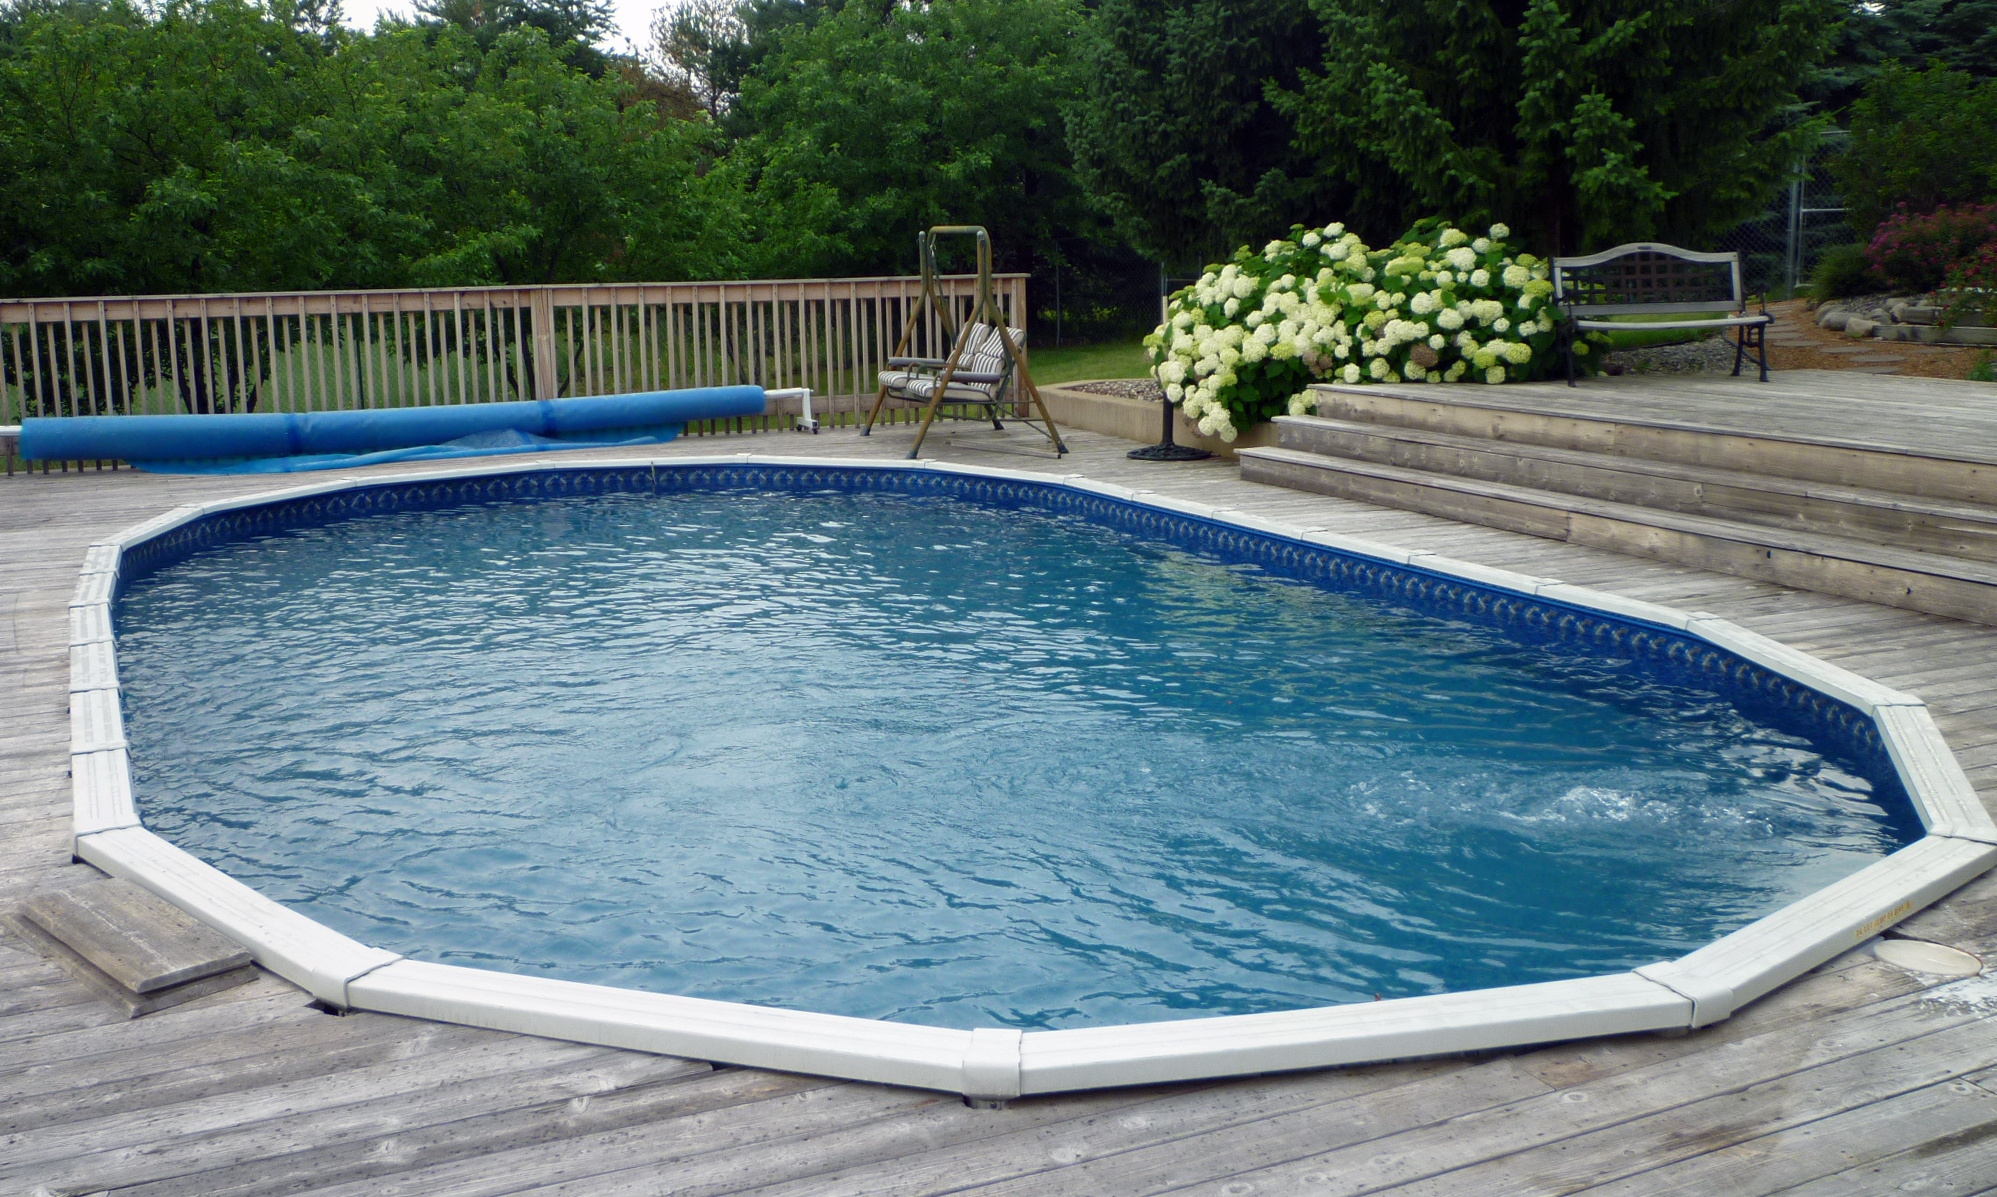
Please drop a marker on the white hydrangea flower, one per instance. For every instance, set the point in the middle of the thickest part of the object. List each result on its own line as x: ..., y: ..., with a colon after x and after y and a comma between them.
x: 1437, y: 341
x: 1206, y: 423
x: 1466, y: 341
x: 1244, y: 286
x: 1422, y: 304
x: 1462, y: 257
x: 1302, y: 403
x: 1501, y: 324
x: 1480, y: 278
x: 1334, y: 230
x: 1482, y: 245
x: 1274, y: 250
x: 1182, y: 320
x: 1444, y: 278
x: 1311, y: 240
x: 1413, y: 372
x: 1342, y: 350
x: 1254, y: 319
x: 1378, y: 368
x: 1231, y: 307
x: 1487, y: 310
x: 1516, y: 276
x: 1449, y: 318
x: 1453, y: 236
x: 1360, y: 292
x: 1499, y: 232
x: 1174, y: 392
x: 1518, y: 353
x: 1350, y: 374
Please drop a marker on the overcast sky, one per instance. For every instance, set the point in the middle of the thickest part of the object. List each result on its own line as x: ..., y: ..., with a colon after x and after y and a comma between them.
x: 634, y: 17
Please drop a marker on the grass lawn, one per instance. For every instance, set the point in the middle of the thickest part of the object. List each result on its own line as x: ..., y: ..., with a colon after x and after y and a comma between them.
x: 1074, y: 363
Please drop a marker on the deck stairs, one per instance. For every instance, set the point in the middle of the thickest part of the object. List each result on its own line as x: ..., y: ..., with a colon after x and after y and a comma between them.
x: 1884, y: 525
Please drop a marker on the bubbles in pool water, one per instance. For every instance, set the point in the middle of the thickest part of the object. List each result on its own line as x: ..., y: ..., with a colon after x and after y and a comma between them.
x: 924, y: 760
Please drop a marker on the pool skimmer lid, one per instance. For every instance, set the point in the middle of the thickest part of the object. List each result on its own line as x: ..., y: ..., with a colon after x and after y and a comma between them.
x: 993, y: 1064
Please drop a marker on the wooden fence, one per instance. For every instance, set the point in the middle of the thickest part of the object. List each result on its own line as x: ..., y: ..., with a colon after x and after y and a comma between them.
x: 344, y: 350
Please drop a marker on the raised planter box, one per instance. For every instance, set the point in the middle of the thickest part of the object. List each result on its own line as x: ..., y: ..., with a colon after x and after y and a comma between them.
x: 1137, y: 420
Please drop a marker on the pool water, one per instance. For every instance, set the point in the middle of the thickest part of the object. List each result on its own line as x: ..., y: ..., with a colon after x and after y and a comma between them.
x: 919, y: 759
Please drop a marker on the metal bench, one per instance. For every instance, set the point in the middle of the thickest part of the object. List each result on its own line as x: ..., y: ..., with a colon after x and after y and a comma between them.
x: 1644, y: 278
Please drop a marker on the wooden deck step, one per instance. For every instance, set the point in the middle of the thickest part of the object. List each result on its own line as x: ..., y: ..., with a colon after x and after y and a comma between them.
x: 1904, y: 521
x: 1808, y: 561
x: 130, y: 947
x: 1843, y: 440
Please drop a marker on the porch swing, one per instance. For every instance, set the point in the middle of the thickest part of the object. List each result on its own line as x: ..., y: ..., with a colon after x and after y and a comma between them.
x: 986, y: 359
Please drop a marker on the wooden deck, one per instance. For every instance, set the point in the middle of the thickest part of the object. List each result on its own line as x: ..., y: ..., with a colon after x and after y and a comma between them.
x: 1859, y: 1079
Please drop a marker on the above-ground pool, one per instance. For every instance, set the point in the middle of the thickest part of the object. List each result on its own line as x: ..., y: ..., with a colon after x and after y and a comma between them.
x: 918, y: 758
x: 971, y: 780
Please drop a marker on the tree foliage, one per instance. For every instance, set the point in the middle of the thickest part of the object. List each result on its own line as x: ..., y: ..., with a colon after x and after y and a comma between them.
x: 1922, y: 139
x: 212, y: 146
x: 1175, y: 135
x: 882, y: 119
x: 1583, y: 122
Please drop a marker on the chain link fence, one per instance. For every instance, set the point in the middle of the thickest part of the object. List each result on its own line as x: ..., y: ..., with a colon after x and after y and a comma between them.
x: 1779, y: 248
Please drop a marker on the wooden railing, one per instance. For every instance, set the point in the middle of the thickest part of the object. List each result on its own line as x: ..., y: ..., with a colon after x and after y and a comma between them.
x: 342, y: 350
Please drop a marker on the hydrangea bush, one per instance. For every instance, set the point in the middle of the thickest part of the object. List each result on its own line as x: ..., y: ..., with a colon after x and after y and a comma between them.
x: 1439, y: 305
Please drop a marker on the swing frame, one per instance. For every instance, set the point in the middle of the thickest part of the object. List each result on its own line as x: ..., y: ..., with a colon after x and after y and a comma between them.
x: 984, y: 310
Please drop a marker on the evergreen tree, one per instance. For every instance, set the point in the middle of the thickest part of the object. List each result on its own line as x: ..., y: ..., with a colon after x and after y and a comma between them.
x: 1582, y: 123
x: 1175, y: 135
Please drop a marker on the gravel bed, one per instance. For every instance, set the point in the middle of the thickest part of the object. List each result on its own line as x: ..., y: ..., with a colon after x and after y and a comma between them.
x: 1124, y: 388
x: 1713, y: 355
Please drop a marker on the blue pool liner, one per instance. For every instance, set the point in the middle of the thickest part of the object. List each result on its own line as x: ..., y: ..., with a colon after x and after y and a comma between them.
x: 289, y: 442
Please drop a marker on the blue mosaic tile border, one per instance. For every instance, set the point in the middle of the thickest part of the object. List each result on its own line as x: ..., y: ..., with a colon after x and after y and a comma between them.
x: 1834, y: 727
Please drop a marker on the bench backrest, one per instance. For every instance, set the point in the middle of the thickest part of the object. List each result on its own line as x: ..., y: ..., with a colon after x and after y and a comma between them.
x: 1644, y: 276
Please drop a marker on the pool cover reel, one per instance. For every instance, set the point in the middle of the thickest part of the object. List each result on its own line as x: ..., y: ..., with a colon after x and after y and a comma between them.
x: 292, y: 441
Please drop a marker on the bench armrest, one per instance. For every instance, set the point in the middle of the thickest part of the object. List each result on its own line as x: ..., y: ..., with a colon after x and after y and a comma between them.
x: 926, y: 363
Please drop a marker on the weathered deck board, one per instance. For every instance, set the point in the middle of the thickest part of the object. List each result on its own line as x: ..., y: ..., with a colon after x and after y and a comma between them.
x: 1853, y: 1080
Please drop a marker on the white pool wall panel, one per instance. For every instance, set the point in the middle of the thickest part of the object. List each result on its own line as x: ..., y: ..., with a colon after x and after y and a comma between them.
x: 90, y: 625
x: 757, y: 1036
x: 1362, y: 1032
x: 314, y: 957
x: 1771, y: 951
x: 1694, y: 990
x: 1934, y: 780
x: 93, y: 665
x: 101, y: 791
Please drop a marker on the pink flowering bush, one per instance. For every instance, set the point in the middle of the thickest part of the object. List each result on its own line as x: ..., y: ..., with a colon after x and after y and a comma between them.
x: 1913, y: 253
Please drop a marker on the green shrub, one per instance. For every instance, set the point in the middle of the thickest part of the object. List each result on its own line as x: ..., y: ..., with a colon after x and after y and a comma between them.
x: 1984, y: 368
x: 1922, y: 139
x: 1840, y: 272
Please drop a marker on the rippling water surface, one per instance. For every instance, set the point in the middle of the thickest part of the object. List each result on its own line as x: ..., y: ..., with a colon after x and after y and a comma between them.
x: 921, y: 760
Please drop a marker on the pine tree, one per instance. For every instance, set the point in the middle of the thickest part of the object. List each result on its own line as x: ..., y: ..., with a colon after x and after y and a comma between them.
x: 1582, y: 123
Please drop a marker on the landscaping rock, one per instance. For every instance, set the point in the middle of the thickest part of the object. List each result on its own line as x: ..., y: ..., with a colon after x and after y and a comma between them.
x: 1833, y: 319
x: 1858, y: 328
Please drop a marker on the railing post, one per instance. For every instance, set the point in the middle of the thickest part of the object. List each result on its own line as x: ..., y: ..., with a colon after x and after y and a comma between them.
x: 547, y: 380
